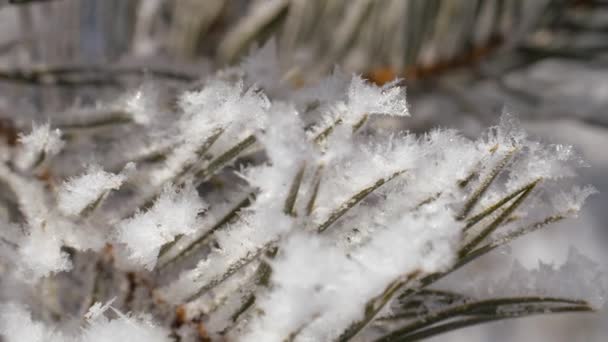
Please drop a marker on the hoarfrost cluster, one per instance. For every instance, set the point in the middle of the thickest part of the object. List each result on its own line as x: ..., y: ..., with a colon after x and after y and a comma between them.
x: 260, y: 211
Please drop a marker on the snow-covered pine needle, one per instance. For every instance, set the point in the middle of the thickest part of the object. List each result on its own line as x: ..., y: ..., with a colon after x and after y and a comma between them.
x: 351, y: 202
x: 84, y: 193
x: 173, y: 213
x: 316, y: 235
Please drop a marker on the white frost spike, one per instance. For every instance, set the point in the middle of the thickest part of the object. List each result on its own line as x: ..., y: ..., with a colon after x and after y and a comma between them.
x: 124, y: 328
x: 41, y: 254
x: 38, y: 146
x: 217, y: 105
x: 571, y: 202
x: 220, y: 105
x: 16, y: 325
x: 365, y: 98
x: 98, y: 309
x: 264, y: 221
x: 333, y: 296
x: 141, y: 104
x: 328, y: 90
x: 174, y: 213
x: 80, y: 192
x: 262, y: 67
x: 578, y: 278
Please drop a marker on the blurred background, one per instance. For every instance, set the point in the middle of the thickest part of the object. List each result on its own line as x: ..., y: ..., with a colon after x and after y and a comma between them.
x: 464, y: 63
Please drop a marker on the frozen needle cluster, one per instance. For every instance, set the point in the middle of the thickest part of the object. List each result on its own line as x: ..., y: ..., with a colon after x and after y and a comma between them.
x: 259, y: 211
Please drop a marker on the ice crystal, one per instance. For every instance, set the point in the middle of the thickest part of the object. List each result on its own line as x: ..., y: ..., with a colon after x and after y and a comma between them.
x: 39, y: 145
x: 80, y: 192
x: 173, y: 213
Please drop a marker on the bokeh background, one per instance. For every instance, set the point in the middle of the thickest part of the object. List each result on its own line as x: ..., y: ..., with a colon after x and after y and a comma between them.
x: 464, y: 63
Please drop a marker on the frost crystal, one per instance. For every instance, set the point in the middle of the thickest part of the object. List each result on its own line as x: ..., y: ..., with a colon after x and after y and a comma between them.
x: 16, y: 325
x: 331, y: 297
x: 578, y: 277
x: 141, y: 105
x: 88, y: 189
x: 571, y: 202
x: 218, y: 109
x: 365, y: 98
x: 42, y: 254
x: 173, y: 213
x: 124, y: 328
x: 262, y: 67
x: 40, y: 144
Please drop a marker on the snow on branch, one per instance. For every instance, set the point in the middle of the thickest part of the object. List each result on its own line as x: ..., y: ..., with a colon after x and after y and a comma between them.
x: 275, y: 217
x: 174, y: 213
x: 38, y: 146
x: 88, y: 190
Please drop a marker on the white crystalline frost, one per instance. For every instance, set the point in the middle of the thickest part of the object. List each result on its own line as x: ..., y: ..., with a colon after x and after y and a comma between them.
x: 328, y: 90
x: 42, y: 138
x: 17, y: 325
x: 362, y: 98
x: 365, y: 98
x: 41, y: 254
x: 80, y: 192
x: 572, y: 201
x: 318, y: 283
x: 369, y: 210
x: 41, y: 143
x: 141, y: 104
x: 174, y: 213
x: 578, y: 278
x: 264, y: 221
x: 124, y: 328
x: 262, y: 67
x: 219, y: 105
x: 353, y: 167
x: 98, y: 309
